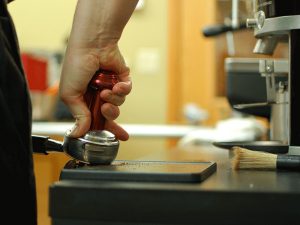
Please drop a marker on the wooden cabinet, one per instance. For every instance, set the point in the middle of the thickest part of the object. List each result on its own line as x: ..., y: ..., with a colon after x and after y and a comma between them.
x: 47, y: 170
x: 191, y: 59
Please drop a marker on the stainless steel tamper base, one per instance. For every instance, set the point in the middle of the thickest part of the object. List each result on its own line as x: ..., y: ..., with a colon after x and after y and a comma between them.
x: 96, y: 147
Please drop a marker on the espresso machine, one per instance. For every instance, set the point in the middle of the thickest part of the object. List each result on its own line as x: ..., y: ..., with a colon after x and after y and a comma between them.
x: 267, y: 86
x: 274, y: 22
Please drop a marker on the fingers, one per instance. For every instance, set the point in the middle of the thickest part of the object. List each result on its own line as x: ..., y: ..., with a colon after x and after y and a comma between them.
x: 80, y: 127
x: 118, y: 94
x: 108, y: 96
x: 122, y: 88
x: 110, y: 111
x: 119, y: 132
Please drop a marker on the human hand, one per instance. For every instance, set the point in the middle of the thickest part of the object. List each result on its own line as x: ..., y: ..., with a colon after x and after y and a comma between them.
x: 93, y: 45
x: 80, y: 64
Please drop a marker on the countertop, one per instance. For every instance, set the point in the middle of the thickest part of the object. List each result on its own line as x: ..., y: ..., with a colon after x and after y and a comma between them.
x: 226, y: 197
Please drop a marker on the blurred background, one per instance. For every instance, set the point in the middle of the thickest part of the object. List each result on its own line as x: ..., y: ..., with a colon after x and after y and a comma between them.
x: 178, y: 72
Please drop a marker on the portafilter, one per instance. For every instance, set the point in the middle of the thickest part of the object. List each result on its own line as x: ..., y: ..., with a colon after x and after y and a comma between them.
x: 97, y: 146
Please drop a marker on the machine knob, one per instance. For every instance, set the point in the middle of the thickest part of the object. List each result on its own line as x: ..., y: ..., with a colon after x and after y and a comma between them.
x: 258, y: 21
x: 252, y: 23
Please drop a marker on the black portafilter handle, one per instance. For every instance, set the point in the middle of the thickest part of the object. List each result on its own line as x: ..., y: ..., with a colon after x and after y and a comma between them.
x: 288, y: 162
x: 43, y: 145
x: 218, y: 29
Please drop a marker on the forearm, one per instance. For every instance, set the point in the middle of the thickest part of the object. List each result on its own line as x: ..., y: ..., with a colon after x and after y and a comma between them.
x: 100, y: 21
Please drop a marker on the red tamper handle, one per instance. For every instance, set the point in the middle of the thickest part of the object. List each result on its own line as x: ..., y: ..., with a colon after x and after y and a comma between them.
x: 102, y: 79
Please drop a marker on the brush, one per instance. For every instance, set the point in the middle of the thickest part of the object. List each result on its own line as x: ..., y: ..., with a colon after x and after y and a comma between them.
x: 245, y: 159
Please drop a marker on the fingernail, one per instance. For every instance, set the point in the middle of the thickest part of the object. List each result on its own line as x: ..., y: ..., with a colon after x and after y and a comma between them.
x: 71, y: 131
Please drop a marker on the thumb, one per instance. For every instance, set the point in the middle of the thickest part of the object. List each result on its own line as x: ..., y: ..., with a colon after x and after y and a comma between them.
x: 82, y: 116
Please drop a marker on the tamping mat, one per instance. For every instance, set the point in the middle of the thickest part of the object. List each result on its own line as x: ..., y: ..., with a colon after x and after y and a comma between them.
x: 142, y: 171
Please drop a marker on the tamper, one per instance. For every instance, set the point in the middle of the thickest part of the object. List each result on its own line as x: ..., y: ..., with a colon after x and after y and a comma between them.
x: 98, y: 146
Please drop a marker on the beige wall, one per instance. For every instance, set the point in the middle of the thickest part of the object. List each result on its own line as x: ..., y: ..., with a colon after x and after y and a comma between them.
x: 146, y: 32
x: 42, y: 24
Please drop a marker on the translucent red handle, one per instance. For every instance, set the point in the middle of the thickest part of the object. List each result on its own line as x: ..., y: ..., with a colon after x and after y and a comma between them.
x: 102, y: 79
